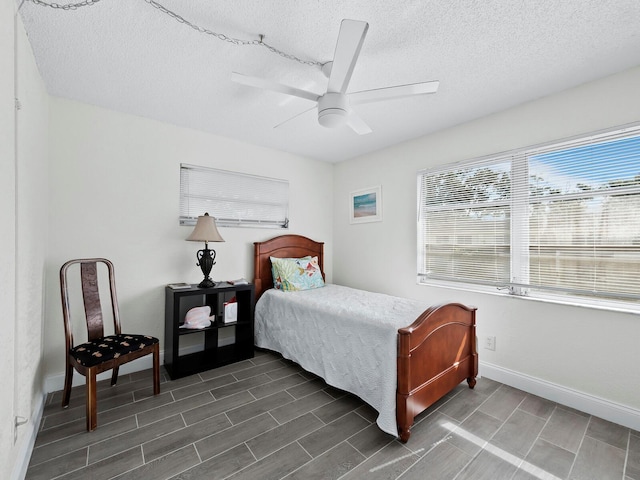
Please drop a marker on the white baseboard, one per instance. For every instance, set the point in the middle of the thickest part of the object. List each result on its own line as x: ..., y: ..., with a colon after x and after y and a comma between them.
x: 24, y: 454
x: 599, y: 407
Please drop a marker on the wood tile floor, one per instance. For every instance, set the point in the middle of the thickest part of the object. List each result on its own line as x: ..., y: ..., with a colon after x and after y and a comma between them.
x: 266, y: 418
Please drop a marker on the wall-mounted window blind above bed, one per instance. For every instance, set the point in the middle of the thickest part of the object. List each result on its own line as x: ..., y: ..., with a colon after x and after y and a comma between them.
x: 234, y: 199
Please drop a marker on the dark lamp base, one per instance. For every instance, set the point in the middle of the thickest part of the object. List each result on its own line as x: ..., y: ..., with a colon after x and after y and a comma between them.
x: 206, y: 260
x: 207, y: 283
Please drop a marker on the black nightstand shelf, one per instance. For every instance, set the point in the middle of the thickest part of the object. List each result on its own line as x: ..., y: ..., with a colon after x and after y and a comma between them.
x: 221, y: 343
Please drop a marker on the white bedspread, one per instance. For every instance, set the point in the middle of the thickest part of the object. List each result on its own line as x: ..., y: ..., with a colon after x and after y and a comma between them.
x: 346, y: 336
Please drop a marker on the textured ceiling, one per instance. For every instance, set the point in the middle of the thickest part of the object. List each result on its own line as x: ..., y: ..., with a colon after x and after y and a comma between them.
x: 487, y: 54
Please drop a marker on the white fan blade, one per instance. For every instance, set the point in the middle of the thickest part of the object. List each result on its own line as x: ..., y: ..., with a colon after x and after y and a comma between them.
x: 379, y: 94
x: 273, y: 86
x: 350, y: 40
x: 295, y: 116
x: 357, y: 124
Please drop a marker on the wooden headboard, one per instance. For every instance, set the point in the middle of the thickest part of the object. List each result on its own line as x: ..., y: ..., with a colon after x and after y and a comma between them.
x: 294, y: 246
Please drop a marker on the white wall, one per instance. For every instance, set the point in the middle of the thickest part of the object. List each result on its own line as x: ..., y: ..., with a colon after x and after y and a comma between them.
x: 7, y: 239
x: 31, y: 236
x: 114, y: 193
x: 586, y: 350
x: 23, y: 243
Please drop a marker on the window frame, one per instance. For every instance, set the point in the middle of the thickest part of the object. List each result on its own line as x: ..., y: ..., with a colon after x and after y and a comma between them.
x: 520, y: 241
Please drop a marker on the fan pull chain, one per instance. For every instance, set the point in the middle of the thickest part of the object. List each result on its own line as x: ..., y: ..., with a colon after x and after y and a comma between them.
x: 68, y: 6
x: 180, y: 19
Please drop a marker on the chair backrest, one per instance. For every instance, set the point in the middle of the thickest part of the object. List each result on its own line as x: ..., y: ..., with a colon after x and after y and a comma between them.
x: 91, y: 298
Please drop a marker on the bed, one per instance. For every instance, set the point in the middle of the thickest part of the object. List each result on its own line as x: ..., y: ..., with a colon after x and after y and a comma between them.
x: 397, y: 355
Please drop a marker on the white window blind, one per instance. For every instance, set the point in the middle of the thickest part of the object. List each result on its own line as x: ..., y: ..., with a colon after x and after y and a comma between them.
x: 560, y: 219
x: 464, y: 223
x: 234, y: 199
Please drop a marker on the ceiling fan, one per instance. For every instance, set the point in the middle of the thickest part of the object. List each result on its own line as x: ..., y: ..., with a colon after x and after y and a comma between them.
x: 334, y: 106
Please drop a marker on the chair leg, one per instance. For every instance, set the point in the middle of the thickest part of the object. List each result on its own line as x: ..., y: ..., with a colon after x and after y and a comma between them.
x: 114, y: 375
x: 68, y: 380
x: 92, y: 407
x: 156, y: 369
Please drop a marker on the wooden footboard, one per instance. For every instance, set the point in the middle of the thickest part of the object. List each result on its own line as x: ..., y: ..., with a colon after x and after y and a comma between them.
x: 435, y: 353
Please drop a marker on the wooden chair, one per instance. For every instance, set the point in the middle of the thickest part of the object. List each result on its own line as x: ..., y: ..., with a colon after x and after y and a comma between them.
x: 100, y: 353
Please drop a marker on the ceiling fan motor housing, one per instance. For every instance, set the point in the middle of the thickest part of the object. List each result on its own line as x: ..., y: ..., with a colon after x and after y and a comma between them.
x: 333, y: 110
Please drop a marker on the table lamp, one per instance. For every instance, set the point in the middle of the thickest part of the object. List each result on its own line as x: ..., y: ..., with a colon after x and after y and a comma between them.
x: 206, y: 231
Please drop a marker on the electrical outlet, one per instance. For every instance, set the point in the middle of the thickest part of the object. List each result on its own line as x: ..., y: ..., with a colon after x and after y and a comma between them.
x: 490, y: 342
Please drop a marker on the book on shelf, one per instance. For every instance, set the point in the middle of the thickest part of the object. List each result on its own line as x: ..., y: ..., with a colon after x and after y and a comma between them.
x: 179, y: 285
x: 239, y: 281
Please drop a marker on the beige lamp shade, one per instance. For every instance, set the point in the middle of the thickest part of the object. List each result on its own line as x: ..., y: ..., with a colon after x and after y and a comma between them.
x: 205, y: 230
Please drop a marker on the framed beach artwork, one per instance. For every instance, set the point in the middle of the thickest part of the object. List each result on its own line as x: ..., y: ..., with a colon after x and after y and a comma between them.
x: 366, y: 205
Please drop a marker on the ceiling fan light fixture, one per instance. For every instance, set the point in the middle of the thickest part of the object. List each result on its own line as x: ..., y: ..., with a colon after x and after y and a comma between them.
x: 333, y: 110
x: 332, y: 117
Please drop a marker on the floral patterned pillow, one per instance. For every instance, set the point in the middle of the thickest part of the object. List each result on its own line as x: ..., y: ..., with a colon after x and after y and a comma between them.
x: 292, y: 274
x: 277, y: 284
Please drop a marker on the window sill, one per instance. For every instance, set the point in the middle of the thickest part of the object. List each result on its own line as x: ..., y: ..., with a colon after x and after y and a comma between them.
x: 596, y: 304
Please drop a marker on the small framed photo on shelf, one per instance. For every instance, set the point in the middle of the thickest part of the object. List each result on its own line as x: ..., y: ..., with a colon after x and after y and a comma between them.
x: 366, y: 205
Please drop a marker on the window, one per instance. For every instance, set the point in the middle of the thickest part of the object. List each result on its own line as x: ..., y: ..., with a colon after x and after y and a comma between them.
x: 559, y: 220
x: 234, y: 199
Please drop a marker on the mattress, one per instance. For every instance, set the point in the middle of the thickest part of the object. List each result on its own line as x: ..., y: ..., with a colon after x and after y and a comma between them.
x: 344, y: 335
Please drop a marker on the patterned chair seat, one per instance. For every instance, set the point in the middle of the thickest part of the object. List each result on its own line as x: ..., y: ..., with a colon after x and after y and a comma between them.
x: 110, y: 347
